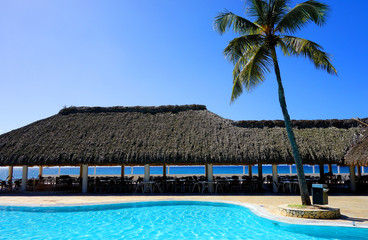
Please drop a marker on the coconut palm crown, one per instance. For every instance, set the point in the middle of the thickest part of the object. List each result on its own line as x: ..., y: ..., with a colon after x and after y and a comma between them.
x: 254, y: 52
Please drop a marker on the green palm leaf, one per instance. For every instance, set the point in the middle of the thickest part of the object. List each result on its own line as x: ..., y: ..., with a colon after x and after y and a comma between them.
x: 302, y: 14
x: 223, y: 22
x: 250, y: 70
x: 313, y: 51
x: 284, y: 47
x: 278, y: 10
x: 238, y: 46
x: 258, y: 10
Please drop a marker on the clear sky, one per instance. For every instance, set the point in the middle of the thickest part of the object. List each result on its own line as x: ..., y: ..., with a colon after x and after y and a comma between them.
x: 165, y: 52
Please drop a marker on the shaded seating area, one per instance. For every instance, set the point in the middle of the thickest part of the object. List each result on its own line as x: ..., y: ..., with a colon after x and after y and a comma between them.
x: 195, y: 184
x: 190, y: 184
x: 14, y: 185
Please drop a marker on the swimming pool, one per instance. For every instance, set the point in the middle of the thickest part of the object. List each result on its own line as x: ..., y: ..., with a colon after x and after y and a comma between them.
x: 157, y: 220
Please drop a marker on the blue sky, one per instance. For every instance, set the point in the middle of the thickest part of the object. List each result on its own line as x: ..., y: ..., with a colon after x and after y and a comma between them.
x: 165, y: 52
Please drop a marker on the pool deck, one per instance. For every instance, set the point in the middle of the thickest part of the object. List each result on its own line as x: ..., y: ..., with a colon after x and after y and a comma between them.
x: 354, y: 208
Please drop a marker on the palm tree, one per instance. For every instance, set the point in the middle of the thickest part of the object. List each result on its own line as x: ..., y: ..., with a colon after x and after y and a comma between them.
x: 254, y: 52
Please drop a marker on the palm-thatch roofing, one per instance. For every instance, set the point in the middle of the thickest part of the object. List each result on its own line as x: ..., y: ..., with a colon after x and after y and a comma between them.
x: 187, y: 134
x: 358, y: 154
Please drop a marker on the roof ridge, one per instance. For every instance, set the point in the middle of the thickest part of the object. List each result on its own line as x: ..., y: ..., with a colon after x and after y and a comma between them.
x: 316, y: 123
x: 148, y: 109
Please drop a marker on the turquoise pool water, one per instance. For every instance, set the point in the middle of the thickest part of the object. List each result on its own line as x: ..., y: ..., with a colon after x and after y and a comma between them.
x: 157, y: 220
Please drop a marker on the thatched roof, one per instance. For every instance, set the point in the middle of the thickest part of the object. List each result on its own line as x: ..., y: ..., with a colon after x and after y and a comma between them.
x: 170, y: 134
x: 358, y: 154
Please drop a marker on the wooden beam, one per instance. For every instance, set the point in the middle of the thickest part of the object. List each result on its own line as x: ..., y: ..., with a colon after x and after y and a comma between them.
x: 164, y: 170
x: 275, y: 179
x: 122, y: 172
x: 352, y: 178
x: 24, y: 178
x: 84, y: 168
x: 260, y: 175
x: 146, y: 172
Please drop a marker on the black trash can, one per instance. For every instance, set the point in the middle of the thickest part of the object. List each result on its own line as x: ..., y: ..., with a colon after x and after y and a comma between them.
x: 319, y: 193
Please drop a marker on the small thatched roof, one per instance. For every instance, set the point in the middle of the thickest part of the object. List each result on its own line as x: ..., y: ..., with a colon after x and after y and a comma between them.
x: 170, y: 134
x: 358, y: 154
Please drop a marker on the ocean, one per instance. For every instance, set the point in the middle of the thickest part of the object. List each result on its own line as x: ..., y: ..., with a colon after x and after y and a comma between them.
x: 171, y: 170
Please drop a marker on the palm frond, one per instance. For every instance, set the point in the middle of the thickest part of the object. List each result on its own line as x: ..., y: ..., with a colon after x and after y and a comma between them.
x: 302, y: 14
x: 283, y: 47
x: 250, y: 70
x: 238, y: 46
x: 223, y: 21
x: 258, y: 10
x: 237, y: 89
x: 278, y: 10
x: 313, y: 51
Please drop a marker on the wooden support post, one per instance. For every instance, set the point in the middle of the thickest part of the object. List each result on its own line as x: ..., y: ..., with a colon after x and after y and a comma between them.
x: 84, y: 168
x: 352, y: 178
x: 260, y: 175
x: 209, y: 176
x: 291, y: 169
x: 275, y: 179
x: 10, y: 173
x: 146, y: 172
x: 321, y: 171
x: 250, y: 171
x: 164, y: 170
x: 359, y: 171
x: 330, y: 168
x: 205, y: 170
x: 24, y: 178
x: 40, y: 171
x: 209, y: 172
x: 122, y: 173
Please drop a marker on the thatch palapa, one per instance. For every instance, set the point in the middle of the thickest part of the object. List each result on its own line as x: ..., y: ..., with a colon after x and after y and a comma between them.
x: 358, y: 154
x: 187, y: 134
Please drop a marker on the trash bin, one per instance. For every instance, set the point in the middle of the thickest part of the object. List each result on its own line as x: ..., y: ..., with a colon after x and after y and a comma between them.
x: 319, y: 193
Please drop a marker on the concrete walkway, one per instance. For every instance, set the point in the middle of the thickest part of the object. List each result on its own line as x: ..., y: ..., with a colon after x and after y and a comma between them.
x: 354, y: 209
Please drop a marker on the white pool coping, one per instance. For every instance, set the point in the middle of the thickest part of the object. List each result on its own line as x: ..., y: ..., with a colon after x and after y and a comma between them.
x: 259, y: 210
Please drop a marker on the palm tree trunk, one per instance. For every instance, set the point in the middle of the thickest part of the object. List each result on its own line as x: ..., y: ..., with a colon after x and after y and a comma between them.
x: 298, y: 163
